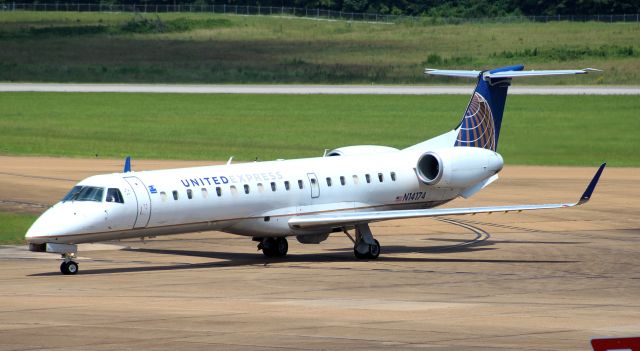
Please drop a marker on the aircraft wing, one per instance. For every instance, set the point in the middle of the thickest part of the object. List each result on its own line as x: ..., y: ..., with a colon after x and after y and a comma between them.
x: 352, y: 218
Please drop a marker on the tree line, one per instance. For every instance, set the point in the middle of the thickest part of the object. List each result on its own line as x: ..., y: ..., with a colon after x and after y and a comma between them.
x: 431, y: 8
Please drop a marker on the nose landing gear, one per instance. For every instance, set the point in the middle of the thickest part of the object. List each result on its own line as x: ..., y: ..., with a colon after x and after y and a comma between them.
x: 68, y: 266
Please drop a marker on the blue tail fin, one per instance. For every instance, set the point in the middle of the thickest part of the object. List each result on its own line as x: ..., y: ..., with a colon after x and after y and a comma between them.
x: 480, y: 125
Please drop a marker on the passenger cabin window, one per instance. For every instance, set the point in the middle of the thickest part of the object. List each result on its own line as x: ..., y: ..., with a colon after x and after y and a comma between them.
x: 393, y: 176
x: 273, y: 186
x: 260, y: 188
x: 380, y: 177
x: 189, y: 194
x: 114, y: 195
x: 205, y: 193
x: 342, y: 181
x: 233, y: 190
x: 286, y: 185
x: 328, y: 181
x: 175, y: 195
x: 368, y: 178
x: 219, y: 191
x: 246, y: 188
x: 356, y: 180
x: 163, y: 196
x: 300, y: 184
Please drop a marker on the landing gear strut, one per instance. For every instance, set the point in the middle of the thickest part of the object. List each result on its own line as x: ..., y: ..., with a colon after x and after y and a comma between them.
x: 365, y: 246
x: 274, y: 247
x: 68, y: 266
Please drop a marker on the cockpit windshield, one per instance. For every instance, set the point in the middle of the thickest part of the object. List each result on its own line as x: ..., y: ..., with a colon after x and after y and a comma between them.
x: 71, y: 194
x: 84, y: 193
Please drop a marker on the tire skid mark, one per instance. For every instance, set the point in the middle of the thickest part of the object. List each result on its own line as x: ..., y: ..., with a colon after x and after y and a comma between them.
x: 481, y: 235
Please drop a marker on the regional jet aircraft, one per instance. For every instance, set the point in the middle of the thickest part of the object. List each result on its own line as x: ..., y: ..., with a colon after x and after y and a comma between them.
x: 346, y: 189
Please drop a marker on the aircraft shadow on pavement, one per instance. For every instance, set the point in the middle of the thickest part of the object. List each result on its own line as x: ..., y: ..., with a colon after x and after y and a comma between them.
x: 256, y: 259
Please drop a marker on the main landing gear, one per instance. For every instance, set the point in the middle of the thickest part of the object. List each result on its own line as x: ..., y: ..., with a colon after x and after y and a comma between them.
x: 68, y: 266
x: 273, y: 247
x: 365, y: 246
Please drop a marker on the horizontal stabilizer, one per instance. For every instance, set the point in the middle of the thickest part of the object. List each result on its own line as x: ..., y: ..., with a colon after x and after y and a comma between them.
x: 506, y: 74
x: 325, y: 220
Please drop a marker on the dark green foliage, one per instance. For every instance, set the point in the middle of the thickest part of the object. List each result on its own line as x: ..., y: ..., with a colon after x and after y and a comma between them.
x: 53, y: 31
x: 437, y: 8
x: 137, y: 24
x: 568, y: 53
x: 142, y: 24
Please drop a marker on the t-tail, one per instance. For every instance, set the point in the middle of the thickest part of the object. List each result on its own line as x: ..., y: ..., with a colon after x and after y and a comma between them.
x: 480, y: 124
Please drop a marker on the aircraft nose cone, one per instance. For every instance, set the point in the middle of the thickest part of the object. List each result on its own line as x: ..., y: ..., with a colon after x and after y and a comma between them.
x: 38, y: 230
x: 50, y: 223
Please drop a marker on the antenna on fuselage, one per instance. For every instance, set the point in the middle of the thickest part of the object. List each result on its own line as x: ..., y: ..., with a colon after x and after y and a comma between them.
x: 127, y: 165
x: 230, y: 159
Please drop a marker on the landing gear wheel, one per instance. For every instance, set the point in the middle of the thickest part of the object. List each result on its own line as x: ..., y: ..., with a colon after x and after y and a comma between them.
x: 69, y: 268
x: 282, y: 247
x: 373, y: 251
x: 365, y: 246
x: 274, y: 247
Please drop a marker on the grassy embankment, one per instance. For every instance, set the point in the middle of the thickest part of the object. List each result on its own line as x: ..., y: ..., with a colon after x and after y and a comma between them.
x: 205, y: 48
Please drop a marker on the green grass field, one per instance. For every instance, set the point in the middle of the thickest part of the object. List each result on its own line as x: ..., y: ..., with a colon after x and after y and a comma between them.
x: 204, y: 48
x: 14, y: 226
x: 542, y: 130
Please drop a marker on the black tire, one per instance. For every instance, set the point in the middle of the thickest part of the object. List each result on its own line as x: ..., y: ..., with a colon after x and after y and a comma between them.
x: 269, y: 247
x: 358, y: 255
x: 281, y: 247
x: 374, y: 250
x: 72, y: 267
x: 69, y: 268
x: 63, y: 268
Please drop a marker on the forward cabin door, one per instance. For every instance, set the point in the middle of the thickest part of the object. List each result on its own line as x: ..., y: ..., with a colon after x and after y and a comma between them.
x: 143, y: 199
x: 315, y: 185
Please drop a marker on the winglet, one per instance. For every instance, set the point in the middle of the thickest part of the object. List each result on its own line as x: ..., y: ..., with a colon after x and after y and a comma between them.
x: 127, y: 165
x: 592, y: 186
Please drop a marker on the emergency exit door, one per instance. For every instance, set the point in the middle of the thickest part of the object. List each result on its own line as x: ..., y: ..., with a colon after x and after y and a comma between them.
x: 315, y: 186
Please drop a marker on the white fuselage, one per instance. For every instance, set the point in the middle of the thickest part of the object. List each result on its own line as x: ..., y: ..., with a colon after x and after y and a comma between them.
x: 255, y: 199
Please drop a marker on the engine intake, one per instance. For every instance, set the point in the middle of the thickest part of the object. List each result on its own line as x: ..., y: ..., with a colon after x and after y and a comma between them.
x: 457, y: 167
x: 429, y: 168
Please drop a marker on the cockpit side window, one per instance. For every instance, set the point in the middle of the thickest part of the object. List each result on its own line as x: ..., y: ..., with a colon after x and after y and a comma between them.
x: 89, y: 193
x: 74, y: 191
x: 114, y: 195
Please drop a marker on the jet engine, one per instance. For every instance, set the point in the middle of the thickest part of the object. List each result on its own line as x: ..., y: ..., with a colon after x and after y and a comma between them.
x: 360, y: 150
x: 457, y: 167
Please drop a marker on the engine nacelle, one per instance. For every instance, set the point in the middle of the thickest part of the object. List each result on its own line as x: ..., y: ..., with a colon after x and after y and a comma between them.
x: 360, y: 150
x: 457, y: 167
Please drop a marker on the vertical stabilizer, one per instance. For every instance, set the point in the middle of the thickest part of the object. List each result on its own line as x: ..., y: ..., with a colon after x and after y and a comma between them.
x: 480, y: 125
